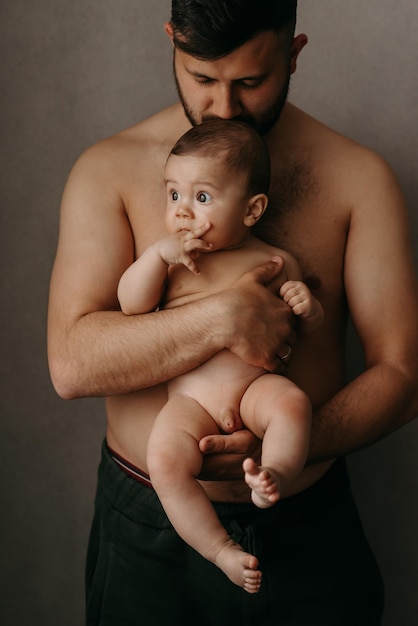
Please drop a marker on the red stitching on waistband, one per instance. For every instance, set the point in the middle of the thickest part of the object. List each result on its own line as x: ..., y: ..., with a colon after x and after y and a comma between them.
x: 130, y: 469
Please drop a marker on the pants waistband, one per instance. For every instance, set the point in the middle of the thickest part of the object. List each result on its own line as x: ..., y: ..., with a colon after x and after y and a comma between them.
x: 322, y: 495
x: 130, y: 469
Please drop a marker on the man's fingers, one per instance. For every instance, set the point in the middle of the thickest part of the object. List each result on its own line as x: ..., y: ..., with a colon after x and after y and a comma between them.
x: 267, y: 272
x: 223, y: 454
x: 239, y: 442
x: 212, y: 444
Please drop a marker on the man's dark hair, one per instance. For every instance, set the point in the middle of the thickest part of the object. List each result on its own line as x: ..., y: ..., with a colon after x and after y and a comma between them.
x: 211, y: 29
x: 237, y: 144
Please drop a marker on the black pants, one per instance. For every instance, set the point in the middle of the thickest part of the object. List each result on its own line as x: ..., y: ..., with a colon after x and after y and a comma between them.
x: 317, y: 566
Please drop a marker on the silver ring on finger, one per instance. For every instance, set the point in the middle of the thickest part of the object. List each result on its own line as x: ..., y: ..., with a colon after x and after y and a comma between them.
x: 286, y: 357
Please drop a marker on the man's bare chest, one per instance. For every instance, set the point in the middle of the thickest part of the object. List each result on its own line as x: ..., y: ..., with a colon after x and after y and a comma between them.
x: 302, y: 218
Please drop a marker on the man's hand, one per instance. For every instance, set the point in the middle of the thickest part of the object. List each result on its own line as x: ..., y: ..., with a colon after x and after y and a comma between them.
x: 259, y: 325
x: 223, y: 455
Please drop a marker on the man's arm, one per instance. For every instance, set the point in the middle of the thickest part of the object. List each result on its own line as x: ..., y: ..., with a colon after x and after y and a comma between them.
x: 381, y: 288
x: 94, y: 349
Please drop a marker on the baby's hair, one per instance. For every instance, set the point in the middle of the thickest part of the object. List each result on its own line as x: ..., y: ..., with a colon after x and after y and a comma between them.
x: 236, y: 143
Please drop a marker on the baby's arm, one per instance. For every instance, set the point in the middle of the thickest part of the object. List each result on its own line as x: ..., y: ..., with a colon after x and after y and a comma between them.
x: 141, y: 287
x: 303, y: 304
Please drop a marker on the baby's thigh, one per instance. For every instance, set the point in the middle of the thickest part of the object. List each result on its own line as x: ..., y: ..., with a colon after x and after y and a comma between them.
x: 263, y: 399
x: 184, y: 415
x: 173, y: 444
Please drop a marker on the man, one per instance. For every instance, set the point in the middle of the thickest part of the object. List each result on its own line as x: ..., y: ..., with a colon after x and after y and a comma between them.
x: 338, y: 209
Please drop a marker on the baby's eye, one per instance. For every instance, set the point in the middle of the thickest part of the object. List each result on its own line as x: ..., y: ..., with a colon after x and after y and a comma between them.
x: 174, y: 196
x: 202, y: 196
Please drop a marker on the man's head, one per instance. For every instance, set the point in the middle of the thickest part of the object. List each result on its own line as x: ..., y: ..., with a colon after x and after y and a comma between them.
x: 233, y: 58
x: 211, y: 29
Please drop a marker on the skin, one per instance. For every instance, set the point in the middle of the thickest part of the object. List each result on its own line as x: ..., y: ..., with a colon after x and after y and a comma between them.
x: 344, y: 221
x: 209, y: 245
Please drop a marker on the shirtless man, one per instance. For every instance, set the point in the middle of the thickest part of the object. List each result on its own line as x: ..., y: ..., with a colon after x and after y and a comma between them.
x: 338, y: 209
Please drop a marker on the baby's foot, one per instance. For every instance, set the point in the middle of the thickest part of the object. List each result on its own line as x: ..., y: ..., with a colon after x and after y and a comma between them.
x: 263, y: 482
x: 239, y: 566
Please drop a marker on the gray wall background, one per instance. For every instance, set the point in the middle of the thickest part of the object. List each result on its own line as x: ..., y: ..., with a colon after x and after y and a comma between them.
x: 72, y: 73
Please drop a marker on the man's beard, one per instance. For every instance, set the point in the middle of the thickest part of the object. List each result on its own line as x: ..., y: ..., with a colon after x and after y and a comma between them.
x: 262, y: 123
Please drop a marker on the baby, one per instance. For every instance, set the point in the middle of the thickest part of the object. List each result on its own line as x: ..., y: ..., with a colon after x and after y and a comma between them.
x: 217, y: 178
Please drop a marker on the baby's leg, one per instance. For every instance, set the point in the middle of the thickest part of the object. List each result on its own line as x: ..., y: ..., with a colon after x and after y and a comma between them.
x: 279, y: 413
x: 174, y: 461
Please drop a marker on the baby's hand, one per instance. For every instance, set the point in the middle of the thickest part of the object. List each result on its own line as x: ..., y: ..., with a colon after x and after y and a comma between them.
x: 298, y: 297
x: 184, y: 247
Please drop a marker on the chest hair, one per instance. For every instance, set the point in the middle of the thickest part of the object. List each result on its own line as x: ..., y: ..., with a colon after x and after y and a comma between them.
x: 293, y: 191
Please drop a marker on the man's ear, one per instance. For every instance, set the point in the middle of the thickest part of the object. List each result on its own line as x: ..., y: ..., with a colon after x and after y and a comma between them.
x: 298, y: 44
x: 168, y: 27
x: 256, y: 207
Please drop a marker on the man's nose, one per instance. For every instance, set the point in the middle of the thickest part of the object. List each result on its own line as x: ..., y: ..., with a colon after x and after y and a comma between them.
x: 226, y: 104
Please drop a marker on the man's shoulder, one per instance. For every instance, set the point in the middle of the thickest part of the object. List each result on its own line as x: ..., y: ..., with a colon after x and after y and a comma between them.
x: 151, y: 136
x: 330, y: 143
x: 334, y: 156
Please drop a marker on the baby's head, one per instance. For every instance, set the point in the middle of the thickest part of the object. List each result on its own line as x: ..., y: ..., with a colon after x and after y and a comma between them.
x: 217, y: 175
x: 235, y: 144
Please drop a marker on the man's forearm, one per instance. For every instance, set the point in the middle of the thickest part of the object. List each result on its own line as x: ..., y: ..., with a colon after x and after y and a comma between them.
x: 376, y: 403
x: 108, y: 353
